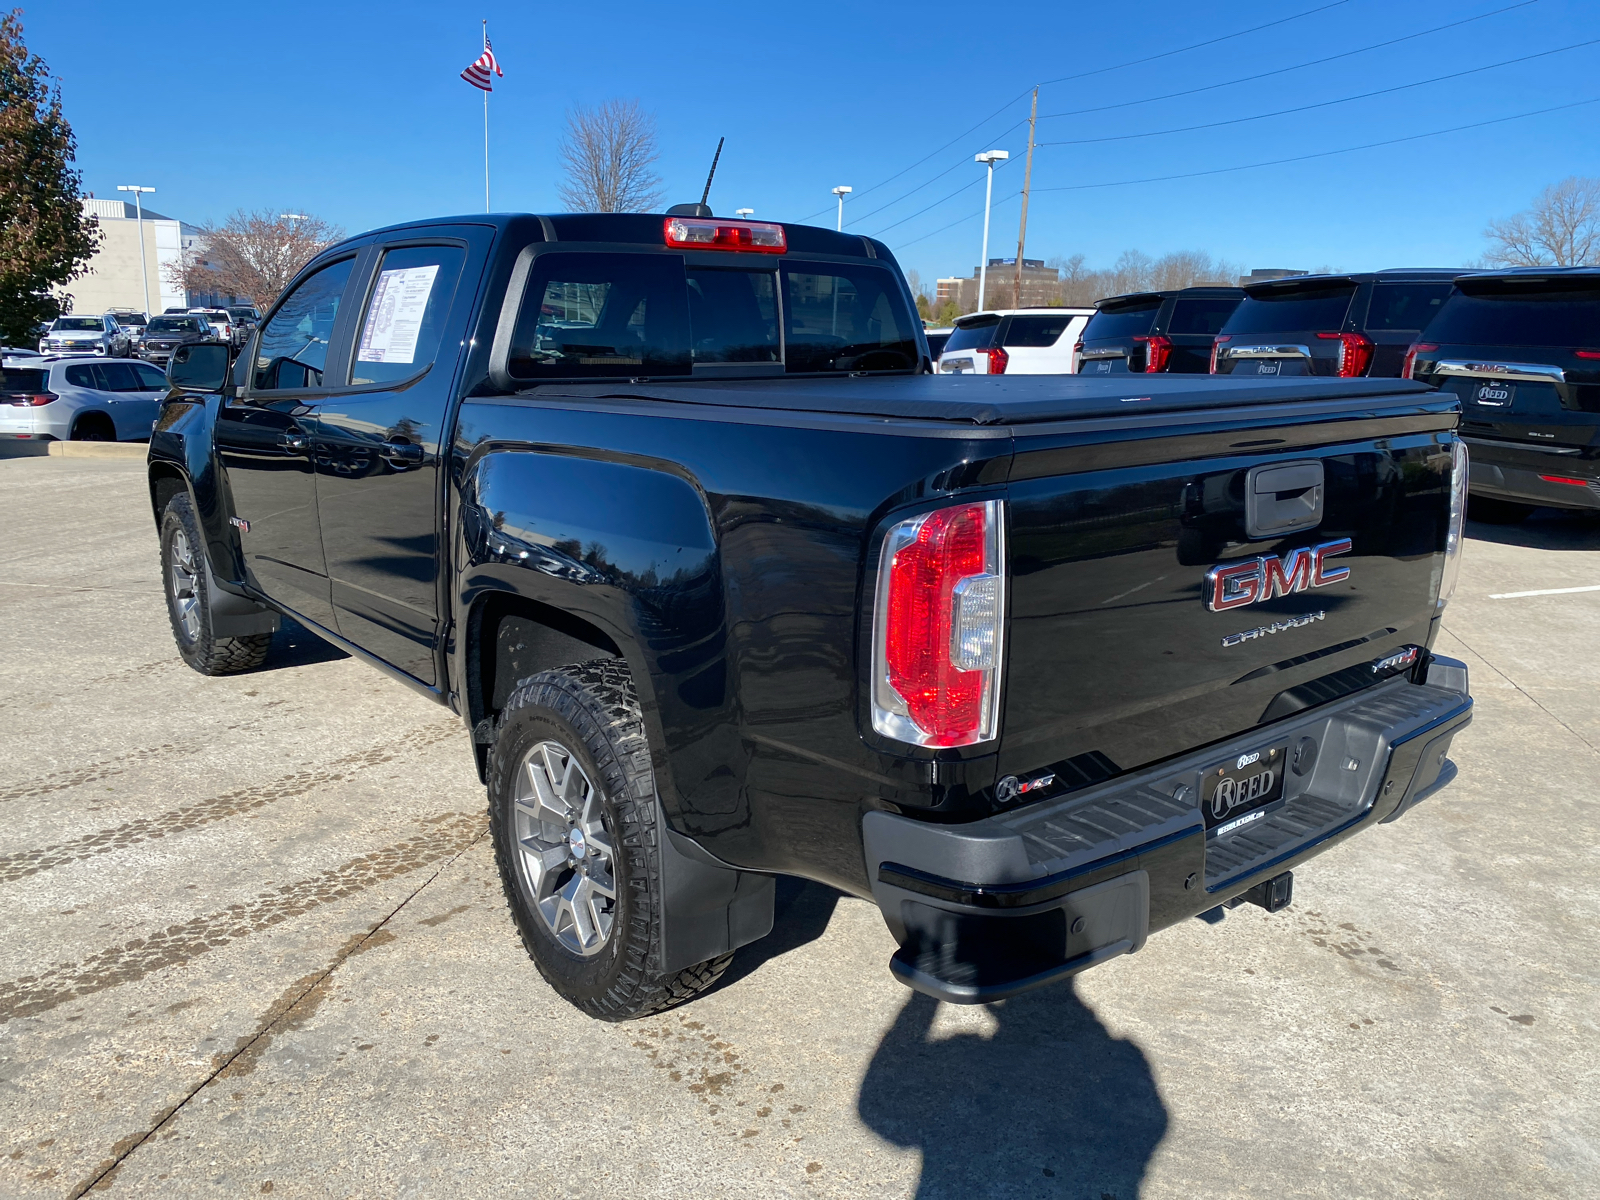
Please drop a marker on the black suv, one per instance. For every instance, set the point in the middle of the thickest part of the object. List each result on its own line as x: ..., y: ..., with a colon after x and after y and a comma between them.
x: 1156, y: 331
x: 1347, y: 325
x: 1522, y: 350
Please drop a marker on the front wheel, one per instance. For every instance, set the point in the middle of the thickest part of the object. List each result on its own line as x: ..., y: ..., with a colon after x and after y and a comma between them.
x: 185, y: 582
x: 572, y: 807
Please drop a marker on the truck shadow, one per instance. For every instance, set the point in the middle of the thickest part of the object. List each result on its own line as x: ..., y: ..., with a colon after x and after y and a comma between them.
x: 295, y: 646
x: 1546, y: 529
x: 801, y: 912
x: 1051, y: 1105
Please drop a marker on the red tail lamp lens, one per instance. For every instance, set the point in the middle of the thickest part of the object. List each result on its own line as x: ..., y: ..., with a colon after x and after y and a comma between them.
x: 999, y: 360
x: 1355, y: 353
x: 1157, y: 352
x: 1216, y: 345
x: 704, y: 233
x: 1587, y: 353
x: 1416, y: 348
x: 939, y: 626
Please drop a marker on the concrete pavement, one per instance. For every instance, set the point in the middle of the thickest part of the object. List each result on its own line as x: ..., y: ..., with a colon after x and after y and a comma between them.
x: 256, y: 944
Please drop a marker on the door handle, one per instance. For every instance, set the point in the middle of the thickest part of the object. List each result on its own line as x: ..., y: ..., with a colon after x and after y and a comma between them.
x: 402, y: 452
x: 294, y: 441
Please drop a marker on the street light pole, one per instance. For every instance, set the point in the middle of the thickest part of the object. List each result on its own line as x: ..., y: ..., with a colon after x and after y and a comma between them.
x: 989, y: 158
x: 744, y: 212
x: 291, y: 217
x: 841, y: 192
x: 138, y: 208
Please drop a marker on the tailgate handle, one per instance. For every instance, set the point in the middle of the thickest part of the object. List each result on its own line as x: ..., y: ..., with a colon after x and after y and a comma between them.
x: 1284, y: 498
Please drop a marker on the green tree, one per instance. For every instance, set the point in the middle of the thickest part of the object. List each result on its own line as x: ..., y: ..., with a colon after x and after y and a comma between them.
x: 45, y: 237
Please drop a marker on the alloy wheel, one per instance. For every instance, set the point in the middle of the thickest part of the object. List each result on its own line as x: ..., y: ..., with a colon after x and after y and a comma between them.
x: 567, y: 859
x: 181, y: 581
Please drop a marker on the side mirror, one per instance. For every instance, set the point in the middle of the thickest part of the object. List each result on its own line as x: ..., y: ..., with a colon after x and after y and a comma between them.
x: 199, y: 367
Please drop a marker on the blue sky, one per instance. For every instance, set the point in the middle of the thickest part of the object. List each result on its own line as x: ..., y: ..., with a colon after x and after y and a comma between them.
x: 355, y: 112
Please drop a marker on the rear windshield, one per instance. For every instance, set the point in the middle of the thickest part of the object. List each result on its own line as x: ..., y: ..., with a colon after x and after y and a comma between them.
x: 1533, y: 318
x: 1036, y: 331
x: 1122, y: 322
x: 16, y: 380
x: 979, y: 335
x: 78, y: 323
x: 1406, y: 306
x: 1306, y: 310
x: 589, y: 315
x: 174, y: 325
x: 1202, y: 314
x: 127, y: 319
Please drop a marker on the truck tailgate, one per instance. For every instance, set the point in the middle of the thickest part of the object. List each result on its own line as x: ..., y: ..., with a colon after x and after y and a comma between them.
x: 1115, y: 658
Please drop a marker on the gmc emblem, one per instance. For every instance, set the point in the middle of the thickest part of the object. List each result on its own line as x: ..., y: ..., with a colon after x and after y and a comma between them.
x: 1250, y: 582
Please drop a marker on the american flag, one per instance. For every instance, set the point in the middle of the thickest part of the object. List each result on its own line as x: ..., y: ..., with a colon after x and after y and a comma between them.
x: 478, y: 73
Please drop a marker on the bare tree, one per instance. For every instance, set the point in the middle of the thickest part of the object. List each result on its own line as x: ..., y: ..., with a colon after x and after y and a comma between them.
x: 608, y: 151
x: 1562, y: 229
x: 1135, y: 271
x: 252, y: 254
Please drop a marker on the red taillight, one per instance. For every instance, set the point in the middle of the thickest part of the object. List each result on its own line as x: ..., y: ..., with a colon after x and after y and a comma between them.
x: 32, y: 399
x: 1587, y: 353
x: 1216, y: 344
x: 1565, y: 479
x: 1355, y: 353
x: 704, y: 233
x: 1157, y: 352
x: 1411, y: 357
x: 999, y: 360
x: 938, y: 627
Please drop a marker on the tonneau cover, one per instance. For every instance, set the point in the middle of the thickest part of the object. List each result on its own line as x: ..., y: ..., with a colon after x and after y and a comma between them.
x: 993, y: 399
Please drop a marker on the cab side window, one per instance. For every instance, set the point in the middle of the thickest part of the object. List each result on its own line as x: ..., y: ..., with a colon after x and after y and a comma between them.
x: 404, y: 322
x: 293, y: 350
x: 82, y: 375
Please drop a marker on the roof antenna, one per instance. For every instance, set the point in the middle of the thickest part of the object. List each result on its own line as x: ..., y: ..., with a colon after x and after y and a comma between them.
x: 702, y: 209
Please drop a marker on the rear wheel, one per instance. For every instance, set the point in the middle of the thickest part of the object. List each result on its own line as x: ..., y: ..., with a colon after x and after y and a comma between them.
x: 1496, y: 512
x: 184, y: 580
x: 572, y: 807
x: 94, y: 427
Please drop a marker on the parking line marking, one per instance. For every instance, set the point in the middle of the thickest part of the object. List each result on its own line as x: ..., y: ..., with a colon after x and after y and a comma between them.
x: 1542, y: 592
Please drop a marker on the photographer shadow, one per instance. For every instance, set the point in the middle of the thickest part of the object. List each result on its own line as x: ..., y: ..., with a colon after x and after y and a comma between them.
x: 1050, y: 1105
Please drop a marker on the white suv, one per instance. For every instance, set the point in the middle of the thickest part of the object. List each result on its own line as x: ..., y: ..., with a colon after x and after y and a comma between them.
x: 1016, y: 341
x: 79, y: 398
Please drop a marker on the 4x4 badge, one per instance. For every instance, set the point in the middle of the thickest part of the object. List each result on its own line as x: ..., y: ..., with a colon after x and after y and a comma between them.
x: 1234, y: 585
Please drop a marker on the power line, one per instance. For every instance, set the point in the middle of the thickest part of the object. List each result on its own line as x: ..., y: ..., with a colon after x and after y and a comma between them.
x: 1538, y: 112
x: 1315, y: 62
x: 972, y: 216
x: 964, y: 187
x: 1310, y: 12
x: 1125, y: 137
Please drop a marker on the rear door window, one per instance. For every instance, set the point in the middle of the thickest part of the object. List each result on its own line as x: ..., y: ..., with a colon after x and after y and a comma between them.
x: 602, y: 315
x: 1406, y: 306
x: 1121, y: 322
x: 117, y: 377
x: 150, y: 379
x: 1566, y: 318
x: 1036, y: 331
x: 977, y: 336
x: 1204, y: 315
x: 1307, y: 310
x: 82, y: 375
x: 406, y: 313
x: 846, y: 318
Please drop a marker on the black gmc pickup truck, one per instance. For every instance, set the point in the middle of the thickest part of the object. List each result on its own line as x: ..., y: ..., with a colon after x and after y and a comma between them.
x: 726, y: 586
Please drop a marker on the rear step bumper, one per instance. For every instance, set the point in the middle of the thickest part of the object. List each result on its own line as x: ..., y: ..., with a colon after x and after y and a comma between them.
x: 995, y: 907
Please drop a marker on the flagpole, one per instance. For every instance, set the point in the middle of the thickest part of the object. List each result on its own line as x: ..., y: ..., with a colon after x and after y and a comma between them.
x: 486, y: 128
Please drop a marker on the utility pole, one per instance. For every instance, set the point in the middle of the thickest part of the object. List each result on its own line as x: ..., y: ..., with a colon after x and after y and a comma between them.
x: 138, y: 207
x: 988, y: 158
x: 1022, y: 229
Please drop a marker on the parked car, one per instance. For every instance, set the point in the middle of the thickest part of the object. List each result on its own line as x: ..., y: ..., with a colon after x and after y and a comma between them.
x: 1521, y: 348
x: 725, y: 586
x: 936, y: 340
x: 79, y: 398
x: 221, y: 321
x: 1347, y: 325
x: 18, y: 352
x: 165, y: 334
x: 245, y: 318
x: 1020, y: 341
x: 1147, y: 332
x: 130, y: 328
x: 79, y: 335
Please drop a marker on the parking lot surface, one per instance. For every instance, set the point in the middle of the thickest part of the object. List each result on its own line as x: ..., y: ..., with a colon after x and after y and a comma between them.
x: 255, y: 943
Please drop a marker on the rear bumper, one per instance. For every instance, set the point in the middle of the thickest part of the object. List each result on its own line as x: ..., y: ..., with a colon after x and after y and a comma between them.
x: 1500, y: 474
x: 989, y: 909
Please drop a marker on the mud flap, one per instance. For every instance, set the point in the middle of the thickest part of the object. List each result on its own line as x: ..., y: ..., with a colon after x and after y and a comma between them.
x: 710, y: 909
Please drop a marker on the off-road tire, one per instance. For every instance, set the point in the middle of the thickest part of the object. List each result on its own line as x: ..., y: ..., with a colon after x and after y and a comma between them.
x: 592, y: 710
x: 1497, y: 512
x: 197, y: 645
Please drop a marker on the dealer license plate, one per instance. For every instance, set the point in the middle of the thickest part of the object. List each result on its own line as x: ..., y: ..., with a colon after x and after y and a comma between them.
x: 1238, y: 792
x: 1495, y: 394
